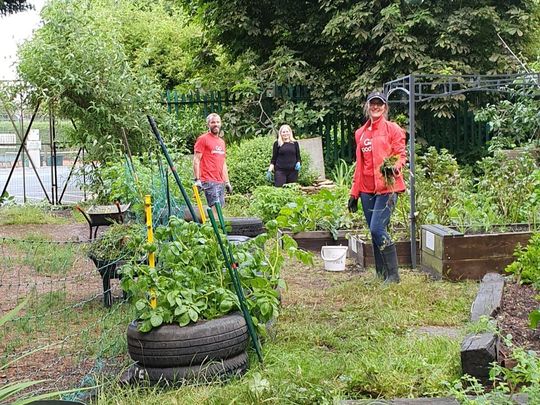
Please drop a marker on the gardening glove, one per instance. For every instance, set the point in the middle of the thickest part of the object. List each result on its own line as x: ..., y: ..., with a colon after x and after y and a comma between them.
x: 268, y: 176
x: 391, y: 171
x: 228, y: 187
x: 297, y: 166
x: 198, y: 183
x: 352, y: 205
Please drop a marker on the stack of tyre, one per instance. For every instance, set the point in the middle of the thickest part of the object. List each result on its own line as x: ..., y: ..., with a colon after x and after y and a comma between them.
x: 203, y: 351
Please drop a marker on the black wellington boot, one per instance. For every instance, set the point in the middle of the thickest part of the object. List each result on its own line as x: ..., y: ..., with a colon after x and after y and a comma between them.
x: 389, y: 256
x: 380, y: 268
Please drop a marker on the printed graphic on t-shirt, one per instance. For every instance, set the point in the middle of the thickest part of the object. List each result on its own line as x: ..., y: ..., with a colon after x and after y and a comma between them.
x: 218, y: 150
x: 367, y: 145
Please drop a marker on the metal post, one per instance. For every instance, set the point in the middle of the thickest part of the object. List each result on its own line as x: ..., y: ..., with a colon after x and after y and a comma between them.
x: 412, y: 212
x: 21, y: 121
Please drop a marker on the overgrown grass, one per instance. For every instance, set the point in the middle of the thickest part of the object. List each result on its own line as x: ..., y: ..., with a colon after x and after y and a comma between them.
x: 28, y: 214
x: 341, y: 336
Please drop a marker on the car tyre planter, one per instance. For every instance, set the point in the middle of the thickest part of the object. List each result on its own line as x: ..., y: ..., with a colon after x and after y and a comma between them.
x: 212, y: 370
x: 177, y: 346
x: 247, y: 226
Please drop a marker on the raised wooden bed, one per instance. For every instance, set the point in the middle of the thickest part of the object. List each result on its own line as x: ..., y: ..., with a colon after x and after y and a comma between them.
x: 457, y: 256
x: 362, y: 251
x: 315, y: 240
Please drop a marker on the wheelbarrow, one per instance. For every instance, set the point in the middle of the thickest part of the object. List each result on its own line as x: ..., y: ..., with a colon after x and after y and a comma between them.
x: 103, y: 215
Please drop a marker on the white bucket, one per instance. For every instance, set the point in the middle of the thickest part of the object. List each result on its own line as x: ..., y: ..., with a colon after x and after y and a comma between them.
x: 334, y: 257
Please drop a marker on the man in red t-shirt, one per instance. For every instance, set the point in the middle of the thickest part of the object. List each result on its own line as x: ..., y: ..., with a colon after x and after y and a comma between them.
x: 209, y: 165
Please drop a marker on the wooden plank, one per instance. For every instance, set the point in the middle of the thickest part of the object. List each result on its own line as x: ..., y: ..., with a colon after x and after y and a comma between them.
x: 315, y: 240
x: 489, y: 298
x: 478, y: 351
x: 485, y: 245
x: 365, y: 258
x: 474, y: 269
x: 432, y: 263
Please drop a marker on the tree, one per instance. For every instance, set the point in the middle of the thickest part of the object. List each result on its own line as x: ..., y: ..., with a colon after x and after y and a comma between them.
x: 353, y: 46
x: 13, y: 6
x: 80, y: 62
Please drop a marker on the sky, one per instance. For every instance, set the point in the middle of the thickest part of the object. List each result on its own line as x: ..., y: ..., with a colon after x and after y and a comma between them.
x: 14, y: 29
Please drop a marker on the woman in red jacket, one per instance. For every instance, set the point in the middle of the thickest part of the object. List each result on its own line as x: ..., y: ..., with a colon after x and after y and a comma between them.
x: 378, y: 178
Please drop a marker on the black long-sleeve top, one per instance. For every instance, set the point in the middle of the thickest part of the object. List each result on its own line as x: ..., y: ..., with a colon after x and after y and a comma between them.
x: 284, y: 157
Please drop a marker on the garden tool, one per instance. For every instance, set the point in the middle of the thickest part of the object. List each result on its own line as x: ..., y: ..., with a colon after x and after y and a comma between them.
x: 199, y: 203
x: 231, y: 267
x: 172, y: 167
x: 389, y: 256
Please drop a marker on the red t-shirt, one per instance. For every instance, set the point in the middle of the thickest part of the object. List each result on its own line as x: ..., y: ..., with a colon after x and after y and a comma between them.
x: 212, y: 149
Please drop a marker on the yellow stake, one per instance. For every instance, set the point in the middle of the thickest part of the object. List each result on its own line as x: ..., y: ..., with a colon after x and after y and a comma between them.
x: 199, y: 203
x: 150, y: 237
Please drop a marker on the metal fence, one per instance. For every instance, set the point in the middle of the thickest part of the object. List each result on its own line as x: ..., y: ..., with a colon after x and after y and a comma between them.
x: 34, y: 164
x: 460, y: 134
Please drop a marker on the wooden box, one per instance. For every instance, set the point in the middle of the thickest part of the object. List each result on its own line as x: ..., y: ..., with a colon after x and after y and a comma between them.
x: 363, y: 252
x: 456, y: 256
x: 315, y: 240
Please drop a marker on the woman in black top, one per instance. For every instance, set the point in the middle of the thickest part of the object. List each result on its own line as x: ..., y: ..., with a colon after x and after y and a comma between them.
x: 285, y: 161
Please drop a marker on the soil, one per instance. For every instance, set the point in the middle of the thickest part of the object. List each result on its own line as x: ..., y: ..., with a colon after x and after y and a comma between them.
x: 513, y: 319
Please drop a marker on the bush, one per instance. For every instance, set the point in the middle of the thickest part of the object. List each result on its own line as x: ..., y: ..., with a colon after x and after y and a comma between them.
x: 268, y: 200
x: 247, y: 164
x: 527, y: 264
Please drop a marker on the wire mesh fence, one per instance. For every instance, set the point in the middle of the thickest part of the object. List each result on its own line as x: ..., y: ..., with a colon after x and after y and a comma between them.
x: 63, y: 334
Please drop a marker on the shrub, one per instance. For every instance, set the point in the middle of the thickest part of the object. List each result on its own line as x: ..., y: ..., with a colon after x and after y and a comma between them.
x: 268, y: 200
x: 527, y: 263
x: 247, y: 164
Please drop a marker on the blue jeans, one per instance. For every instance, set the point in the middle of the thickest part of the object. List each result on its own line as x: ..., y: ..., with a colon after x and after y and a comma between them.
x: 377, y: 210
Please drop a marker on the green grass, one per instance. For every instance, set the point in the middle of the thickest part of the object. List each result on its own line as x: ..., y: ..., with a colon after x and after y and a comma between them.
x: 342, y: 336
x: 28, y: 214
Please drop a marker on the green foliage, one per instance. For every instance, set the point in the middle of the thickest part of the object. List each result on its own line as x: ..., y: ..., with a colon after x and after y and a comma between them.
x: 527, y: 264
x: 190, y: 281
x: 13, y: 6
x: 28, y: 214
x: 503, y: 179
x: 119, y: 241
x: 269, y: 200
x: 327, y: 43
x: 44, y: 256
x: 524, y: 378
x: 78, y: 62
x: 343, y: 174
x: 517, y: 122
x: 324, y: 211
x: 248, y: 162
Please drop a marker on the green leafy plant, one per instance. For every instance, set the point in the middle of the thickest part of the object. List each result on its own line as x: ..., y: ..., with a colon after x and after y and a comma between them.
x: 387, y: 169
x: 269, y: 200
x: 526, y: 267
x: 119, y: 241
x: 190, y: 281
x: 343, y: 173
x: 323, y: 211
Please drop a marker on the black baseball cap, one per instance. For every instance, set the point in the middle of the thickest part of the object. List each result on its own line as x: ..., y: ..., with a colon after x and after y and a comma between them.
x: 377, y: 94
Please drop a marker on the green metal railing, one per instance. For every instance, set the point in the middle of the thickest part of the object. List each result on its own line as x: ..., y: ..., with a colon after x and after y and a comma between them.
x: 461, y: 135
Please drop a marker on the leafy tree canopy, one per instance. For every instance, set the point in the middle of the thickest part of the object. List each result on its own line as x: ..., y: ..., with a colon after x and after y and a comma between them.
x: 13, y: 6
x: 349, y: 47
x: 105, y: 63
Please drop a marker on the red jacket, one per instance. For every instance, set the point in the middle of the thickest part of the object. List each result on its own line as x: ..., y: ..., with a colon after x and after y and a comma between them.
x: 388, y: 139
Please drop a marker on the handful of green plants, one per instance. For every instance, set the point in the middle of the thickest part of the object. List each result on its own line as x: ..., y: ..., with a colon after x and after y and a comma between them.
x: 388, y: 170
x: 190, y: 280
x: 119, y: 241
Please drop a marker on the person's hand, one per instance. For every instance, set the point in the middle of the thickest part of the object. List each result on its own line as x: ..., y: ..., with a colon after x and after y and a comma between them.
x: 352, y: 205
x: 268, y: 176
x: 228, y: 187
x: 198, y: 183
x: 391, y: 171
x: 297, y: 166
